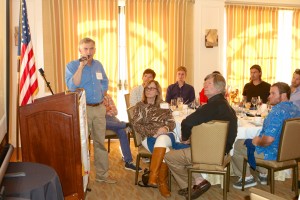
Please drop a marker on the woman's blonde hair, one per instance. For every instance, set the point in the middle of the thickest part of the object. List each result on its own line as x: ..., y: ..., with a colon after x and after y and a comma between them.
x: 158, y: 98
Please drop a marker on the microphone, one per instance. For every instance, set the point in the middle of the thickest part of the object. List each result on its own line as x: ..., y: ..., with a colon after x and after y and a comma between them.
x: 84, y: 58
x: 41, y: 71
x: 47, y: 83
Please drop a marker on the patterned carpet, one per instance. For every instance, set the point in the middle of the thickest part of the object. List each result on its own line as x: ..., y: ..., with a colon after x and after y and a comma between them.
x: 125, y: 188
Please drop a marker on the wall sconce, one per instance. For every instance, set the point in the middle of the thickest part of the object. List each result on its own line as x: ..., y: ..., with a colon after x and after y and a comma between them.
x: 211, y: 38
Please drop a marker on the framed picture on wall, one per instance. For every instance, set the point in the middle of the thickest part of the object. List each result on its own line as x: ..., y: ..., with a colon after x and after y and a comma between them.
x: 211, y: 38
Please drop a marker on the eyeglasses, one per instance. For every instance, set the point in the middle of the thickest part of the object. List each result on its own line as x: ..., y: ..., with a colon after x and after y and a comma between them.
x: 150, y: 88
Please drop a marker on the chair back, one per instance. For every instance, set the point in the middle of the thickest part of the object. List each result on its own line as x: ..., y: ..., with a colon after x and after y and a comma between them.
x: 127, y: 101
x: 208, y: 142
x: 136, y: 136
x: 289, y: 148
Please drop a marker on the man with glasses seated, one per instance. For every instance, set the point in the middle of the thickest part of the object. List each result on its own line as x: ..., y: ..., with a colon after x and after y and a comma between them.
x: 265, y: 145
x: 295, y: 88
x: 217, y: 108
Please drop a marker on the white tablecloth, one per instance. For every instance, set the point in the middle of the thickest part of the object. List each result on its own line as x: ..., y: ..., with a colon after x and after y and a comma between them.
x: 246, y: 129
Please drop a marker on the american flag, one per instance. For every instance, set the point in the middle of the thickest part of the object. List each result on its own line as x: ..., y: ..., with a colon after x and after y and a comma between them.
x: 28, y: 78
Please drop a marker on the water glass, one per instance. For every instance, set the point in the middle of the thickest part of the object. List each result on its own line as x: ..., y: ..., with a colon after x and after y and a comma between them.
x: 180, y: 103
x: 173, y: 104
x: 247, y: 105
x: 254, y: 101
x: 258, y: 105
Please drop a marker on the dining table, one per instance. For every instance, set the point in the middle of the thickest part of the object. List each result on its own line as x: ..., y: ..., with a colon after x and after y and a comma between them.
x: 29, y: 180
x: 248, y: 128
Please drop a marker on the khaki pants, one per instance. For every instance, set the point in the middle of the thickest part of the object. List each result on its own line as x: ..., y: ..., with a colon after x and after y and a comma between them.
x: 240, y: 150
x: 178, y: 161
x: 97, y: 127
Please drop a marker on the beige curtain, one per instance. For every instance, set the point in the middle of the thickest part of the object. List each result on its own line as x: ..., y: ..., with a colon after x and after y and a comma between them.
x: 155, y: 38
x: 296, y: 40
x: 251, y: 39
x: 68, y: 21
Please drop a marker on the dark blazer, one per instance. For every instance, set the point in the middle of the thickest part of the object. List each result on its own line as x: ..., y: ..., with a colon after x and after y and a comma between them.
x: 217, y: 108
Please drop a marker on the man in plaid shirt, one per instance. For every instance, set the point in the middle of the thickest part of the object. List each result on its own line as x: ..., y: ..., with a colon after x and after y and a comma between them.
x: 114, y: 124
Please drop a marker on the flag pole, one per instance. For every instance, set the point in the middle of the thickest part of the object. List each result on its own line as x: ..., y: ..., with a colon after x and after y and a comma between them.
x: 17, y: 115
x: 18, y: 82
x: 27, y: 78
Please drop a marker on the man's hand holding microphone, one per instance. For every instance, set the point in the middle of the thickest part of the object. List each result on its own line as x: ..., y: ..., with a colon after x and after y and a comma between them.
x: 84, y: 60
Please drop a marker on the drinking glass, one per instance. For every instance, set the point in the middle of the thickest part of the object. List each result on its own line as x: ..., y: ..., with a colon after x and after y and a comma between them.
x: 180, y: 103
x: 247, y: 105
x: 173, y: 104
x: 196, y: 104
x: 258, y: 104
x: 242, y: 108
x: 254, y: 102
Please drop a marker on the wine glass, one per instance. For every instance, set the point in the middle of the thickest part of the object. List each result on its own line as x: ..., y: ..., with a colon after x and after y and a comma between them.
x: 254, y: 102
x: 196, y: 104
x: 247, y: 105
x: 242, y: 107
x: 173, y: 104
x: 258, y: 104
x: 180, y: 103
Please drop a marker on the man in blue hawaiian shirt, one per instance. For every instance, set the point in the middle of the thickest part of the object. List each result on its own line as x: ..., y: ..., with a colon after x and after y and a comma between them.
x: 267, y: 143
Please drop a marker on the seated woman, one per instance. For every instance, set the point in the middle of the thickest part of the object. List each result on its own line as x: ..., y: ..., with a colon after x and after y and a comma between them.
x: 155, y: 126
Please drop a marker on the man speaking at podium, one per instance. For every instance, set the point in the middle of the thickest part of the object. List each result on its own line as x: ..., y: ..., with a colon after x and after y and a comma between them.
x: 89, y: 74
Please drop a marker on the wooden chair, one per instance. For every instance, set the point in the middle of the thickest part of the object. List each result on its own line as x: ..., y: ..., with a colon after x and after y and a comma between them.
x: 288, y: 153
x: 109, y: 134
x: 257, y: 194
x: 208, y: 143
x: 142, y: 151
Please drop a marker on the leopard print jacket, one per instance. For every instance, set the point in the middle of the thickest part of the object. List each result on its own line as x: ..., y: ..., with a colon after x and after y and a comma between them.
x: 148, y: 118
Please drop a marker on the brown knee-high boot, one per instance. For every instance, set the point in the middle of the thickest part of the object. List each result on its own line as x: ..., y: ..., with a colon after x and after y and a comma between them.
x: 156, y: 160
x: 163, y: 180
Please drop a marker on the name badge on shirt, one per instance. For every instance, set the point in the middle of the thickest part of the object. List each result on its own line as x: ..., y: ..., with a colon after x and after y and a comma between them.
x: 99, y: 76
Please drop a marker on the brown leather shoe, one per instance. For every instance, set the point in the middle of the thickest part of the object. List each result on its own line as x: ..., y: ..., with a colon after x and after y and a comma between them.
x: 199, y: 189
x: 183, y: 192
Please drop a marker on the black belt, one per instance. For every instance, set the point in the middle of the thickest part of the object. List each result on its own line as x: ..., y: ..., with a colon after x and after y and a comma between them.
x: 93, y: 104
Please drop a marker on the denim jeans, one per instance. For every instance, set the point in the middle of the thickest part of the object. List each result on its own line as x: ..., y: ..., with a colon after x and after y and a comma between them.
x: 114, y: 124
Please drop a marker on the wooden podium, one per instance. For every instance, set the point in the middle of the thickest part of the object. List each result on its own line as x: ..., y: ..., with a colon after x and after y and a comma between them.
x: 54, y: 132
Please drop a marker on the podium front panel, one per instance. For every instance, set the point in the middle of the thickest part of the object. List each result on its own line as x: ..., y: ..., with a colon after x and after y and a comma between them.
x: 50, y: 134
